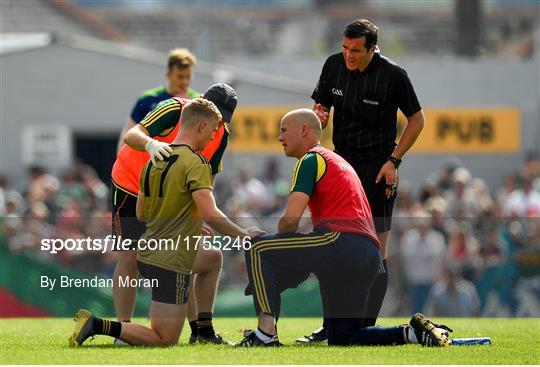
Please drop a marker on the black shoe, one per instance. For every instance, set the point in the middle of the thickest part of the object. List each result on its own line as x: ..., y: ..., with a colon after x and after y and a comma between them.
x: 251, y: 340
x: 192, y: 339
x: 428, y: 333
x: 214, y: 339
x: 318, y: 336
x: 84, y: 328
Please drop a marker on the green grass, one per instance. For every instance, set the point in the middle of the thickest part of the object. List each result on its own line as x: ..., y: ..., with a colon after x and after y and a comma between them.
x: 44, y: 341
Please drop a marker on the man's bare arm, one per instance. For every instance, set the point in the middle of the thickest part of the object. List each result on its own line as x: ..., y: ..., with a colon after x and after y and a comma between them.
x: 296, y: 206
x: 210, y: 213
x: 415, y: 124
x: 127, y: 125
x: 388, y: 171
x: 137, y: 137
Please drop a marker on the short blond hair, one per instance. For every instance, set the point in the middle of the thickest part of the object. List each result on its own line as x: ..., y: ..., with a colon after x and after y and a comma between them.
x: 181, y: 58
x: 199, y: 109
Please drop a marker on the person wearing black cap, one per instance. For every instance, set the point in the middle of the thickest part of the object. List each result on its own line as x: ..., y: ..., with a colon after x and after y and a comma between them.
x: 166, y: 116
x: 366, y: 89
x: 150, y: 139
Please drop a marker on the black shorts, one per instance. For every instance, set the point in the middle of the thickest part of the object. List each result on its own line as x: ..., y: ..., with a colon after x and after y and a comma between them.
x: 124, y: 217
x: 171, y: 287
x: 381, y: 206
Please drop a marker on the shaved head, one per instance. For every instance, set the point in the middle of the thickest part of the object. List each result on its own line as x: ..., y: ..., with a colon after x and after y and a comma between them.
x: 300, y: 131
x: 304, y: 116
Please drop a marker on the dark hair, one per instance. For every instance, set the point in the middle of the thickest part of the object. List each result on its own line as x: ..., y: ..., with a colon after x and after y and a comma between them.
x: 362, y: 28
x: 36, y: 170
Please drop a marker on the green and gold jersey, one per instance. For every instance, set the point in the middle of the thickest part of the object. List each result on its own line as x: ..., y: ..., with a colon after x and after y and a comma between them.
x: 309, y: 170
x: 169, y: 210
x: 149, y: 99
x: 163, y: 119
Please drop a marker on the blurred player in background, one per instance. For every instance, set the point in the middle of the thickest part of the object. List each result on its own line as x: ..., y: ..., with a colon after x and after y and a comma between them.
x: 366, y: 89
x: 150, y: 140
x: 179, y: 74
x: 174, y: 198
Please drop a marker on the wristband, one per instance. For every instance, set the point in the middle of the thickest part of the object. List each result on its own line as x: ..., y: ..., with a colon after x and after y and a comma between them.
x: 395, y: 161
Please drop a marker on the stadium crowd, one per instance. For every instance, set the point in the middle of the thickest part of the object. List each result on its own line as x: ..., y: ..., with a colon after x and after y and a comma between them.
x: 456, y: 249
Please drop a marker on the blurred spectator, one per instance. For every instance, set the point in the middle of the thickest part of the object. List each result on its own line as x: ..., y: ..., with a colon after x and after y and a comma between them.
x: 41, y: 186
x: 29, y: 232
x: 12, y: 208
x: 3, y: 184
x: 71, y: 190
x: 481, y: 193
x: 524, y: 202
x: 277, y: 190
x: 237, y: 210
x: 512, y: 237
x: 404, y: 210
x: 250, y: 190
x: 422, y: 252
x: 446, y: 176
x: 271, y: 214
x: 428, y: 190
x: 463, y: 250
x: 437, y: 207
x: 453, y: 296
x: 531, y: 168
x: 461, y: 200
x: 97, y: 191
x: 271, y: 175
x: 501, y: 270
x: 487, y: 222
x: 509, y: 186
x: 11, y: 202
x: 490, y: 272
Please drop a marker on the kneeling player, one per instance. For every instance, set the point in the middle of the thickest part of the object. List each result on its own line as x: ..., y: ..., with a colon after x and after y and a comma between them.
x: 175, y: 197
x: 342, y: 251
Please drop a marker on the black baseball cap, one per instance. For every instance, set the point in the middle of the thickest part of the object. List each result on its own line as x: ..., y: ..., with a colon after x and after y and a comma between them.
x: 225, y: 99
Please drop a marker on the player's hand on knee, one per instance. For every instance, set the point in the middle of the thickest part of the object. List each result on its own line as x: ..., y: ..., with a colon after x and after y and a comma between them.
x: 158, y: 150
x: 253, y: 232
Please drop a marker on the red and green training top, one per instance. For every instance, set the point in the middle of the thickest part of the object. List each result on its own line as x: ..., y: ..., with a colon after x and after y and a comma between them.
x: 163, y: 124
x: 337, y: 199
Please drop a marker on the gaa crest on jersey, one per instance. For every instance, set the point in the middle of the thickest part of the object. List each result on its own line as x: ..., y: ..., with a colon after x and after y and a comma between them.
x: 337, y: 92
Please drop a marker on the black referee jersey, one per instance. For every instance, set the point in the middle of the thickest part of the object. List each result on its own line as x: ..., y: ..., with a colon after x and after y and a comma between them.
x: 365, y: 104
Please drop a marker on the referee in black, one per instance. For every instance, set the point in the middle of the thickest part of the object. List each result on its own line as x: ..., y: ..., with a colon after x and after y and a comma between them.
x: 366, y: 89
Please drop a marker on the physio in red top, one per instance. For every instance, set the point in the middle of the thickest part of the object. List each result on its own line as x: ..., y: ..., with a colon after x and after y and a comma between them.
x: 336, y: 198
x: 342, y: 251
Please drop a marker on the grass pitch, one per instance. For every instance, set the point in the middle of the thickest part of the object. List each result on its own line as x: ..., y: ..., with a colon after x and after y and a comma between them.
x: 44, y: 341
